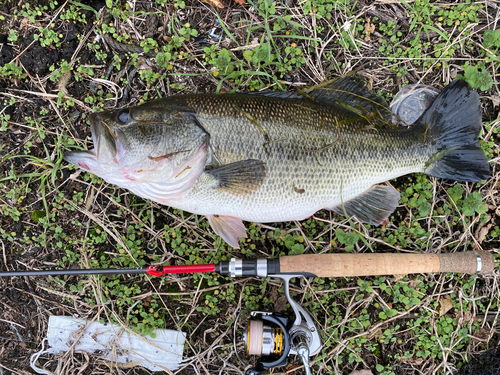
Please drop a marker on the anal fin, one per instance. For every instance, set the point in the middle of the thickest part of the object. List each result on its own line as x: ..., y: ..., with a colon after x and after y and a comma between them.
x: 373, y: 206
x: 230, y: 228
x: 241, y: 177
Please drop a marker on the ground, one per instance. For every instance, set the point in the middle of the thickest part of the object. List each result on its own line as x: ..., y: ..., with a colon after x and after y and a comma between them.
x: 60, y: 61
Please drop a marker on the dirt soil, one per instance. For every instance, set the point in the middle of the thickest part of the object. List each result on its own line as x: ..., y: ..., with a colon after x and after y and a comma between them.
x: 83, y: 209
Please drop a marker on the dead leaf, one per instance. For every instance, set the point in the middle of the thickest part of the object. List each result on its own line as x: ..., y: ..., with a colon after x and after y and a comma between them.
x: 369, y: 29
x: 414, y: 283
x: 274, y: 294
x: 361, y: 372
x: 445, y: 305
x: 24, y: 23
x: 280, y: 304
x: 482, y: 334
x: 63, y: 82
x: 483, y: 229
x: 466, y: 316
x: 290, y: 368
x: 214, y: 3
x: 413, y: 361
x: 496, y: 100
x: 398, y: 277
x: 377, y: 334
x: 241, y: 2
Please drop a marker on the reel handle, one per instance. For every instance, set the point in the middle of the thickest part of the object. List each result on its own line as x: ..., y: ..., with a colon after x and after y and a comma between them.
x: 349, y: 265
x: 302, y: 348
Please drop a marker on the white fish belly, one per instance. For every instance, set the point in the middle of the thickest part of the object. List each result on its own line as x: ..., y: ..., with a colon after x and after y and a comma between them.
x: 283, y: 199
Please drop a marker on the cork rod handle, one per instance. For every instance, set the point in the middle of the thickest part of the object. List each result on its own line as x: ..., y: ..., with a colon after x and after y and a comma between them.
x: 345, y: 265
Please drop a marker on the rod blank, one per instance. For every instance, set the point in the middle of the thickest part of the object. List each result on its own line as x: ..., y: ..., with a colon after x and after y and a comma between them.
x: 95, y: 271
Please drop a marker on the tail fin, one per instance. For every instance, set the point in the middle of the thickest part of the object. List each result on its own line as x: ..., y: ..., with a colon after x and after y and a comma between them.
x: 454, y: 122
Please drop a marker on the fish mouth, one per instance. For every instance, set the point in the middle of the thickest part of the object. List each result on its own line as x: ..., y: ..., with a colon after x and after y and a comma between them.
x: 106, y: 145
x: 104, y: 139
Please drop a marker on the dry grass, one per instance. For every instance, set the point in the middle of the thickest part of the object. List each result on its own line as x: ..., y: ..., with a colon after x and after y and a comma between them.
x: 91, y: 224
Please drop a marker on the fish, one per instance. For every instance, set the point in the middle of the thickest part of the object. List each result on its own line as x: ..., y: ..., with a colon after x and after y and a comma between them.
x: 277, y: 157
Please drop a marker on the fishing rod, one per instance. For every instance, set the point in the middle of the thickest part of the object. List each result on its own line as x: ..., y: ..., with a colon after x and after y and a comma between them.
x: 274, y: 336
x: 308, y: 265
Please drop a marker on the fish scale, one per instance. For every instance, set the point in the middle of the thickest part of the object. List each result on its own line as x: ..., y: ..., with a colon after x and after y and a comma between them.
x: 272, y: 157
x: 359, y: 159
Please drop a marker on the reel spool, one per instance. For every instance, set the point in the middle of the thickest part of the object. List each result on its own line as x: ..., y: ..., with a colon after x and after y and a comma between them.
x: 262, y: 339
x: 267, y: 336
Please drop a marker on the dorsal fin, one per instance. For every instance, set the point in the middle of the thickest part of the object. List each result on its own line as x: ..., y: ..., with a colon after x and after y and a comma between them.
x: 276, y: 94
x: 349, y: 94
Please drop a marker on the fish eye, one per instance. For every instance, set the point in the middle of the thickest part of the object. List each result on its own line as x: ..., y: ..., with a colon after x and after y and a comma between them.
x: 123, y: 117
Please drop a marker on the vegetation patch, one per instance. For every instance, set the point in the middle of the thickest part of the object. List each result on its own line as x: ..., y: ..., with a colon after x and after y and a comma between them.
x: 61, y: 61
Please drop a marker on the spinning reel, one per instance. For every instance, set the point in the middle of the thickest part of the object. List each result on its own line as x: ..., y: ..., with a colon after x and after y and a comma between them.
x: 274, y: 336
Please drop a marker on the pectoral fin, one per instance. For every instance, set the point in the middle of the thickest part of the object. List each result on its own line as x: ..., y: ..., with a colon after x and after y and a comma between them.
x: 373, y: 206
x: 239, y: 178
x: 230, y: 228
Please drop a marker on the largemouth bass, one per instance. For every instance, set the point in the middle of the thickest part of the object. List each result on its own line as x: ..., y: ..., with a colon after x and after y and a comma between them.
x: 276, y: 157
